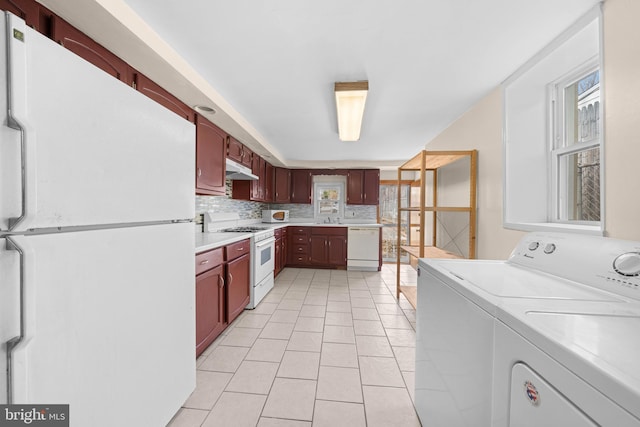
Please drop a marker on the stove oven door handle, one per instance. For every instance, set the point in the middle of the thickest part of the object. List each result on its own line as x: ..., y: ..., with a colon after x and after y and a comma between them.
x: 266, y: 242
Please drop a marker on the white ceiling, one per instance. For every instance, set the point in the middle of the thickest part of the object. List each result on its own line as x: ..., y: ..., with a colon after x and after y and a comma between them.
x: 274, y: 64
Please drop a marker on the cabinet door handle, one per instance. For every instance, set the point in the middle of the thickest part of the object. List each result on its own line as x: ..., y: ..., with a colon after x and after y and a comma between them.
x: 230, y: 279
x: 199, y: 172
x: 206, y: 261
x: 240, y: 249
x: 221, y: 282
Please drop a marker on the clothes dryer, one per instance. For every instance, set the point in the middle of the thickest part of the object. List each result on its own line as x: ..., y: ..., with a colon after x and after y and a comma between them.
x: 470, y: 313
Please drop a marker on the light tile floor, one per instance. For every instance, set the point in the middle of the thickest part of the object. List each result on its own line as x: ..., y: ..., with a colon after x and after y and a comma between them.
x: 324, y: 348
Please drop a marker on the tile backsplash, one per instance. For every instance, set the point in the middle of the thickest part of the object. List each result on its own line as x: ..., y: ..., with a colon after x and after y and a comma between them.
x: 225, y: 204
x: 361, y: 212
x: 253, y: 210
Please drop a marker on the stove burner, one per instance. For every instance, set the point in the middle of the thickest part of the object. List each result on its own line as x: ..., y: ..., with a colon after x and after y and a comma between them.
x: 244, y: 229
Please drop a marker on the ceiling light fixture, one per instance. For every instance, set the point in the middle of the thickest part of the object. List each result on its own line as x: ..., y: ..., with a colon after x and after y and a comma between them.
x: 350, y: 100
x: 204, y: 109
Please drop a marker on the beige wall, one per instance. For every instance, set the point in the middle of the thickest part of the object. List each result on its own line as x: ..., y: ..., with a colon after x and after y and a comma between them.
x: 622, y: 118
x: 481, y: 128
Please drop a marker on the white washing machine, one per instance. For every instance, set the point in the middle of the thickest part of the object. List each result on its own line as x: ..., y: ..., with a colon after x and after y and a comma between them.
x: 548, y: 337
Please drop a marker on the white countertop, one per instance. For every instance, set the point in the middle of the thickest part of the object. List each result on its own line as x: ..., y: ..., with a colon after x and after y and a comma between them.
x: 208, y: 241
x: 315, y: 224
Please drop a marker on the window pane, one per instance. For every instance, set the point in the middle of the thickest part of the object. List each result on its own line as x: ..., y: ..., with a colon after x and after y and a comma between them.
x: 329, y: 194
x: 389, y: 220
x: 327, y: 207
x: 581, y: 176
x: 329, y: 203
x: 582, y: 109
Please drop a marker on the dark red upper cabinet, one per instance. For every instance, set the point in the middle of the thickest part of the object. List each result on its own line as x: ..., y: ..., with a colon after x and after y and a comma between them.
x: 363, y: 186
x: 282, y: 185
x: 83, y: 46
x: 32, y: 12
x: 371, y: 187
x: 256, y: 186
x: 147, y: 87
x: 247, y: 156
x: 269, y: 176
x: 234, y: 149
x: 210, y: 158
x: 300, y: 186
x: 355, y: 180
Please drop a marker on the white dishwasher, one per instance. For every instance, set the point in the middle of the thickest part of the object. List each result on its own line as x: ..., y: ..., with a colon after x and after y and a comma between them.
x: 363, y: 248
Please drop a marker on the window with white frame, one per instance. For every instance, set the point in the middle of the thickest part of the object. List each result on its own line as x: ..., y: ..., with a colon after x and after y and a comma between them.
x: 553, y: 139
x: 328, y: 200
x: 575, y: 155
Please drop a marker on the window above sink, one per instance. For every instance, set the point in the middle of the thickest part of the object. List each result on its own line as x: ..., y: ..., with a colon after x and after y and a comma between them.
x: 328, y: 198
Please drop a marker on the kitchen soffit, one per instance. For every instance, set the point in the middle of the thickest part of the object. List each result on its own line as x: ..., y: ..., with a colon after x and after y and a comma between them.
x: 269, y: 68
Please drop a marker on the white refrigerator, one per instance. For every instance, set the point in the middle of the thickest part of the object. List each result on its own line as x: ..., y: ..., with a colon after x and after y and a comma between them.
x: 97, y: 269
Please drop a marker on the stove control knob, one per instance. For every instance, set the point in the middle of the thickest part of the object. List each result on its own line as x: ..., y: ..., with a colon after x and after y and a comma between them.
x: 628, y: 264
x: 533, y: 246
x: 549, y: 248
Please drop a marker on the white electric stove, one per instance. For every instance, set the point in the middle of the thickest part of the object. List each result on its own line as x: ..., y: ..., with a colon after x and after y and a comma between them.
x: 548, y: 337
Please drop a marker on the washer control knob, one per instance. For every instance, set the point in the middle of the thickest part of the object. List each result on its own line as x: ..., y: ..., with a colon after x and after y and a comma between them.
x: 533, y: 246
x: 549, y: 248
x: 628, y: 264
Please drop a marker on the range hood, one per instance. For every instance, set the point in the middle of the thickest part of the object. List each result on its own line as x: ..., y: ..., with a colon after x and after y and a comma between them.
x: 236, y: 171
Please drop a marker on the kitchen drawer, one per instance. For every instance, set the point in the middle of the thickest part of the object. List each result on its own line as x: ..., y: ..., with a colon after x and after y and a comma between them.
x: 299, y: 230
x: 299, y: 259
x: 299, y: 239
x: 299, y: 249
x: 207, y: 260
x: 329, y: 231
x: 237, y: 249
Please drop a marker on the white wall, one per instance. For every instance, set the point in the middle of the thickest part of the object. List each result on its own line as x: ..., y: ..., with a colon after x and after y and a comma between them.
x: 481, y: 128
x: 388, y: 175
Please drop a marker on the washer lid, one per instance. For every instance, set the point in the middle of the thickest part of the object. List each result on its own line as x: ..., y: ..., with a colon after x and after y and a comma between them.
x: 506, y: 280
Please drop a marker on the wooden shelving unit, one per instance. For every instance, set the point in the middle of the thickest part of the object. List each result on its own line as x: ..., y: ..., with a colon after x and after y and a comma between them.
x: 421, y: 164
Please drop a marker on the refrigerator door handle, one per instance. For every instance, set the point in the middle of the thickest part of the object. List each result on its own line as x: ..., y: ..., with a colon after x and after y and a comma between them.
x: 15, y: 124
x: 16, y: 82
x: 15, y: 341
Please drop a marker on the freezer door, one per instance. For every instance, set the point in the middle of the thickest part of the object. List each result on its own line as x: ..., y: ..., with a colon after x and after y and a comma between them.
x: 95, y: 151
x: 9, y: 307
x: 110, y: 323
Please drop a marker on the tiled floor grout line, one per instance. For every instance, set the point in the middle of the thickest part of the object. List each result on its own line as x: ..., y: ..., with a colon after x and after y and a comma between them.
x: 326, y: 288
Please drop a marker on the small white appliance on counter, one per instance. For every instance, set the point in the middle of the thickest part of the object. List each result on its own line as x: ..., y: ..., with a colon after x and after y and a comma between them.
x: 96, y: 240
x: 363, y: 248
x: 548, y: 337
x: 275, y: 215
